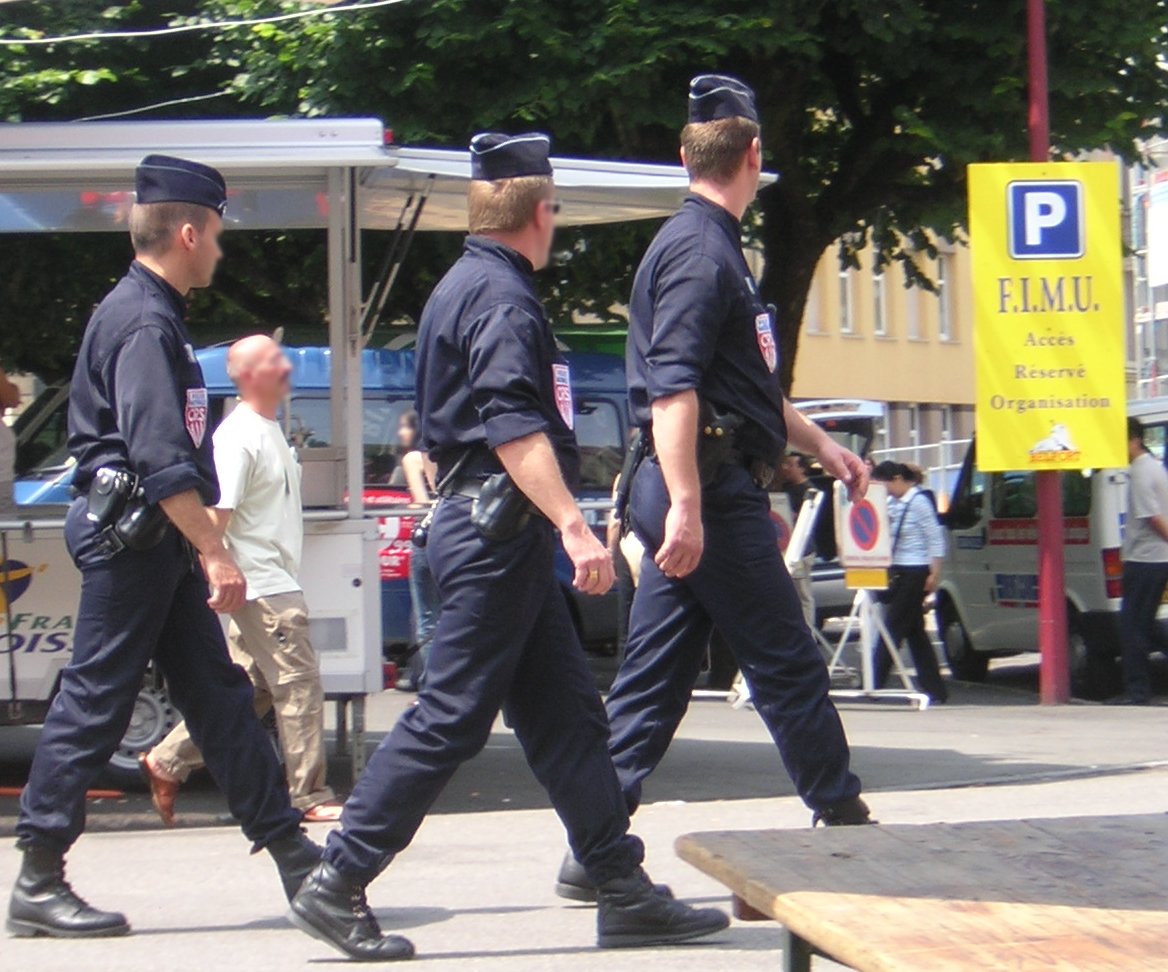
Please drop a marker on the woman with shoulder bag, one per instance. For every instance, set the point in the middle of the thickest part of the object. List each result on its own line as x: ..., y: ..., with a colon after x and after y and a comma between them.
x: 918, y: 550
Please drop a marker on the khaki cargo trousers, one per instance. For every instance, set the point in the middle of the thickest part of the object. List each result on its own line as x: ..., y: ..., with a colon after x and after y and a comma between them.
x: 268, y: 639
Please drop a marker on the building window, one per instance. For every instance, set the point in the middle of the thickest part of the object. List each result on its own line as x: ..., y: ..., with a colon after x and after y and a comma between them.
x: 847, y: 311
x: 944, y: 300
x: 812, y: 319
x: 879, y: 306
x: 912, y: 313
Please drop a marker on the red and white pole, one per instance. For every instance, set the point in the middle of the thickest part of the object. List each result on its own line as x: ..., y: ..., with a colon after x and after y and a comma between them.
x: 1055, y: 674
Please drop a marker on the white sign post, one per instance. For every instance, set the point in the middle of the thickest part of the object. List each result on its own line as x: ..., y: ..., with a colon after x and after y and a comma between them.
x: 865, y: 550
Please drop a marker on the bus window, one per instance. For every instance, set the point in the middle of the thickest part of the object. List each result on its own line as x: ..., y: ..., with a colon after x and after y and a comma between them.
x: 42, y: 434
x: 598, y: 431
x: 310, y: 426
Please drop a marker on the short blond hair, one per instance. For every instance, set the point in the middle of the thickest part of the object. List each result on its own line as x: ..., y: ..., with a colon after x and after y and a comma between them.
x: 505, y: 205
x: 715, y: 150
x: 153, y: 225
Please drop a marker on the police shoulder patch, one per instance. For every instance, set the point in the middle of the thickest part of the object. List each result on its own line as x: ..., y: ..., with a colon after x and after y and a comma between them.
x: 195, y: 415
x: 562, y: 384
x: 764, y: 332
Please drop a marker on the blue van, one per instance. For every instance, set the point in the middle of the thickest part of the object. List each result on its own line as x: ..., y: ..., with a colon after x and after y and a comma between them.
x: 44, y: 471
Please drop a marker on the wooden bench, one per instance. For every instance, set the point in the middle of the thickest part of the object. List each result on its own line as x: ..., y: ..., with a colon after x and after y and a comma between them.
x: 1078, y: 894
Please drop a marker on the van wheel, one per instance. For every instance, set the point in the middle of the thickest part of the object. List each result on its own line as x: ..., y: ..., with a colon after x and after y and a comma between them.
x: 966, y: 664
x: 1094, y: 672
x: 153, y: 718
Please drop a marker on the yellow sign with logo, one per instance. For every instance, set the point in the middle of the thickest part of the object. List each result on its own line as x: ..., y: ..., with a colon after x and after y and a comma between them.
x: 1048, y: 315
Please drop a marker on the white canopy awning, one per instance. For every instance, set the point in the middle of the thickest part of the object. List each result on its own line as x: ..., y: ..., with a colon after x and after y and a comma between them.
x: 78, y: 177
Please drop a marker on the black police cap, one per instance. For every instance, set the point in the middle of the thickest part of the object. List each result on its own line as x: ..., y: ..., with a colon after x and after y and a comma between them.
x: 496, y: 156
x: 163, y: 178
x: 715, y: 96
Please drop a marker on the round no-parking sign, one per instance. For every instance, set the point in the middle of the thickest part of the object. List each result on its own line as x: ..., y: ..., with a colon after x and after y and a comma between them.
x: 862, y: 529
x: 864, y: 524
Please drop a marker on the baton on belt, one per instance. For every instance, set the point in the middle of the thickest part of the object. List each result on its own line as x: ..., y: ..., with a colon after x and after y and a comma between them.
x: 637, y: 451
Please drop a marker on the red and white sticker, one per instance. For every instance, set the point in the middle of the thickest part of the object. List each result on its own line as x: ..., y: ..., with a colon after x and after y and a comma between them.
x: 195, y: 414
x: 562, y: 381
x: 766, y: 341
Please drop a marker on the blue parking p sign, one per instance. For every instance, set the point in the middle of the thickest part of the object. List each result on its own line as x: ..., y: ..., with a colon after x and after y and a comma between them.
x: 1046, y: 220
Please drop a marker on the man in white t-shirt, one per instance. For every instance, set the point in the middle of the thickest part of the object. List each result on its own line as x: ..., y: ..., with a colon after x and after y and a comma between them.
x: 259, y: 512
x: 1145, y: 564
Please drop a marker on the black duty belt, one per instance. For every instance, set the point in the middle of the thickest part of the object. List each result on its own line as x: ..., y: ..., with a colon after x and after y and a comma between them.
x: 470, y: 487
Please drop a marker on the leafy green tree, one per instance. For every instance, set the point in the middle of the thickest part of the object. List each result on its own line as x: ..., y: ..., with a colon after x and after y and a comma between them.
x: 871, y: 109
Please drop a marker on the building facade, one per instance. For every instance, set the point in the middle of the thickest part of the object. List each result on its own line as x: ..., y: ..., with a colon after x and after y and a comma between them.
x: 866, y: 335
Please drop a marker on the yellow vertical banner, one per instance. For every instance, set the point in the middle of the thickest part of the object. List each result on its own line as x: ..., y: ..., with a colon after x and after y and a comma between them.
x: 1048, y: 315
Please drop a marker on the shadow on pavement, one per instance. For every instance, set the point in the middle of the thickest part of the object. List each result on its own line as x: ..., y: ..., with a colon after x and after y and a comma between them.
x: 696, y: 770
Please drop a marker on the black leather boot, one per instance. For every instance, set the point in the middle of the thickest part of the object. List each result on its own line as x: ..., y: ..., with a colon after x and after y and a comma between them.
x: 295, y: 858
x: 333, y: 909
x: 574, y: 883
x: 849, y: 813
x: 633, y: 913
x: 42, y: 902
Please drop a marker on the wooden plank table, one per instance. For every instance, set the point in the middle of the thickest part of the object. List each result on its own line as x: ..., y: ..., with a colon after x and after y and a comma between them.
x: 1077, y: 894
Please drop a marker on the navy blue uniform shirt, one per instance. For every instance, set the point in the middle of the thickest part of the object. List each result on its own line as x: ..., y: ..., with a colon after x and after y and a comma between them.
x: 489, y: 371
x: 696, y: 322
x: 137, y: 400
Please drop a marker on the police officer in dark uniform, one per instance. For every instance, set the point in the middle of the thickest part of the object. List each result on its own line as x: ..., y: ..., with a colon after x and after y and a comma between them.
x: 704, y: 389
x: 496, y: 408
x: 138, y: 428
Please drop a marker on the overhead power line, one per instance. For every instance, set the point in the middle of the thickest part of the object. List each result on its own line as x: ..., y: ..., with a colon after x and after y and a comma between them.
x: 319, y: 11
x: 160, y: 104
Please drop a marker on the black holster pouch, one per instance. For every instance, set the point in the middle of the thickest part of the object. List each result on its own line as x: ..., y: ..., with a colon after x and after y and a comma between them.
x: 501, y: 510
x: 717, y: 446
x: 636, y: 453
x: 118, y: 509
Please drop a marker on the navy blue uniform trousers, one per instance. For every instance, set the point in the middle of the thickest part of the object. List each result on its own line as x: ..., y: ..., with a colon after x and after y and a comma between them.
x: 742, y: 587
x: 504, y: 639
x: 138, y: 605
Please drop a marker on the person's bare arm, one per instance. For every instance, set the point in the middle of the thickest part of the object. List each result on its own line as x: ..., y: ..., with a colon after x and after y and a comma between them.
x: 1160, y: 525
x: 414, y: 467
x: 532, y: 465
x: 220, y: 519
x: 934, y: 574
x: 675, y: 440
x: 841, y: 463
x: 201, y: 526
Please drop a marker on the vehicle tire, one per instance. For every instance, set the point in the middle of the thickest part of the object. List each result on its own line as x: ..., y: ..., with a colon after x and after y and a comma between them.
x: 965, y: 664
x: 154, y: 716
x: 1094, y: 670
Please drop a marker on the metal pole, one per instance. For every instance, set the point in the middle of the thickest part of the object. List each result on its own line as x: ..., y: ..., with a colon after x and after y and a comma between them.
x: 1054, y: 676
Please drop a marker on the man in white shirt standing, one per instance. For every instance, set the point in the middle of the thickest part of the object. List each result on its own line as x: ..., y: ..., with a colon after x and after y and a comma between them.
x: 260, y: 515
x: 1145, y: 563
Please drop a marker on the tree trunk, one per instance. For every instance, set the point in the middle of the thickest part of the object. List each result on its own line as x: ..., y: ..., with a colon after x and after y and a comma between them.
x: 792, y: 245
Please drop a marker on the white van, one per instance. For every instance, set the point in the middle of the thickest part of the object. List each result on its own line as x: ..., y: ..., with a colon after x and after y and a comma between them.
x: 987, y: 603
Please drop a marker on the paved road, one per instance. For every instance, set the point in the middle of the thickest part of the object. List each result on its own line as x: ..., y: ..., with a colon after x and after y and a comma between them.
x: 988, y: 734
x: 474, y: 891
